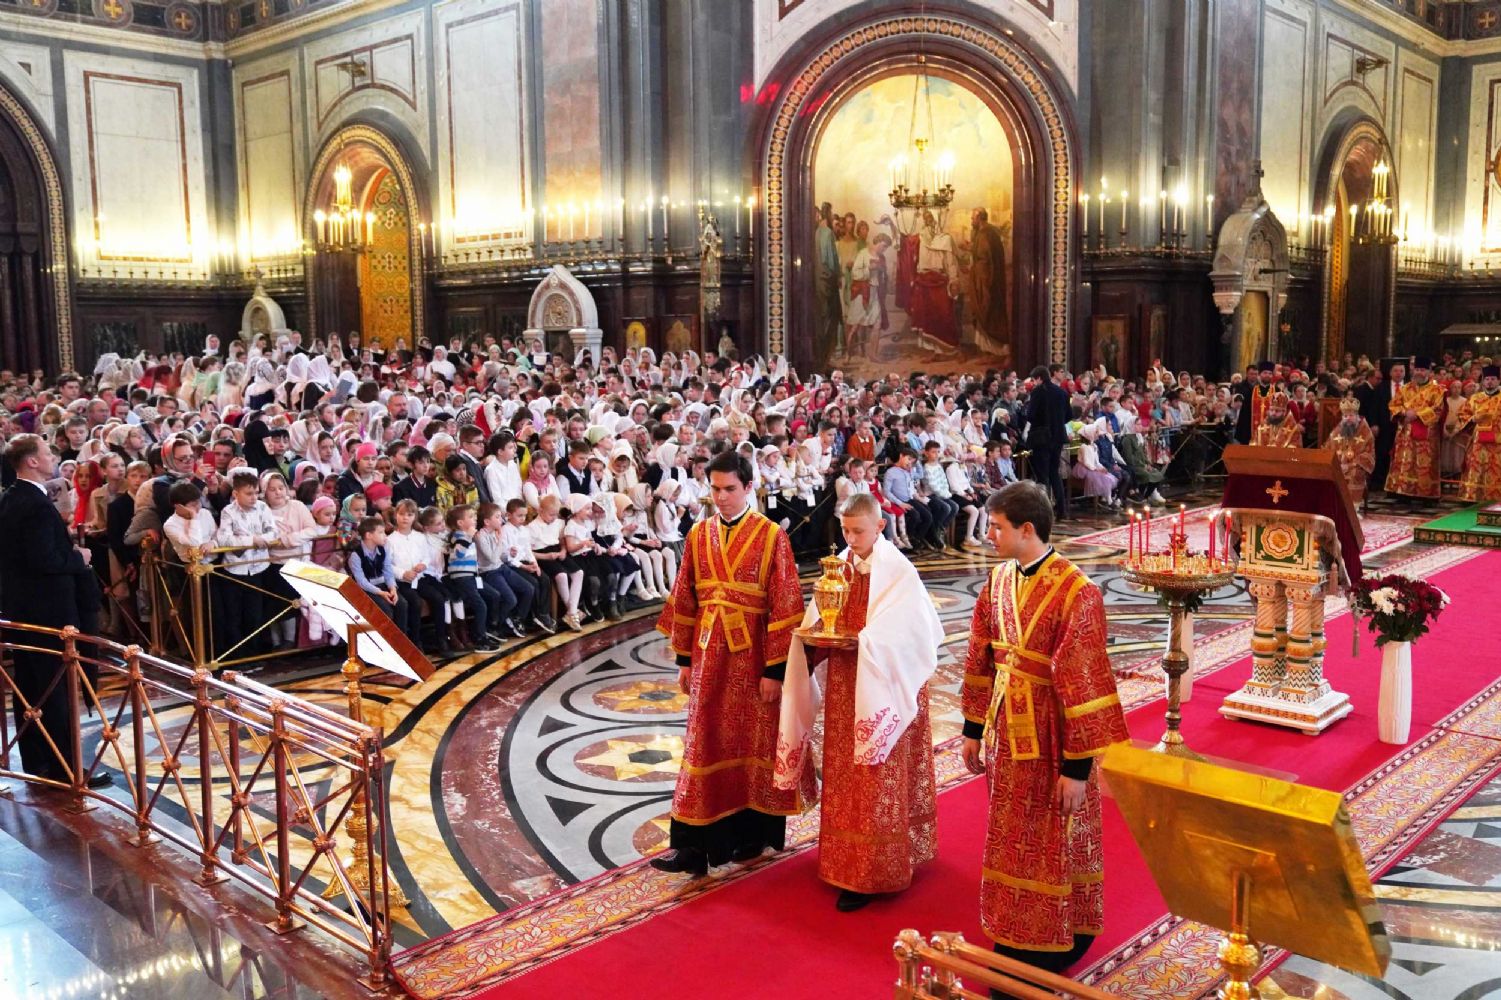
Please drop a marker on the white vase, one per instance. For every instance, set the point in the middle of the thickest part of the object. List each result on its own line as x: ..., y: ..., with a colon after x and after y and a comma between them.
x: 1394, y: 711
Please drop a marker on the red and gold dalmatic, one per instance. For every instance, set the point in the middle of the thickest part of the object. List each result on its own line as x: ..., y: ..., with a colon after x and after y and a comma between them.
x: 1356, y: 454
x: 1038, y: 678
x: 1287, y: 434
x: 1260, y: 396
x: 1482, y: 475
x: 1415, y: 456
x: 878, y: 822
x: 731, y: 613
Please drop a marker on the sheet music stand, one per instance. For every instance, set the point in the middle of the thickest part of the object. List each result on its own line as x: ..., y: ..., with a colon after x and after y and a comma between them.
x: 1250, y: 854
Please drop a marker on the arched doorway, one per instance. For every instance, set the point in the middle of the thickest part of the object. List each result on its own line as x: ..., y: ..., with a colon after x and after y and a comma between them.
x: 1360, y: 275
x: 379, y: 292
x: 1000, y: 76
x: 36, y: 319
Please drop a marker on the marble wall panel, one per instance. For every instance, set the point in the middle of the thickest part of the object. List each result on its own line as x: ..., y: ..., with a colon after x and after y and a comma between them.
x: 1344, y: 43
x: 137, y: 165
x: 27, y: 71
x: 1481, y: 240
x: 482, y: 136
x: 393, y: 54
x: 269, y: 165
x: 1415, y: 137
x: 1286, y: 77
x: 572, y: 134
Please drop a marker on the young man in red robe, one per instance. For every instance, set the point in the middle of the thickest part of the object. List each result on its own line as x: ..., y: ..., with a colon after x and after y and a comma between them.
x: 729, y: 622
x: 1039, y: 705
x: 878, y: 822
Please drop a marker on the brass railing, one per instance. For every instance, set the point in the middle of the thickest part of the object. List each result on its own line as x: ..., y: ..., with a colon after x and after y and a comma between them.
x: 937, y: 970
x: 181, y: 600
x: 256, y: 784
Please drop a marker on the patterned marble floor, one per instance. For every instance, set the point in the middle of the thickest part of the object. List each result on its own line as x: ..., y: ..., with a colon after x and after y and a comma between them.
x: 517, y: 773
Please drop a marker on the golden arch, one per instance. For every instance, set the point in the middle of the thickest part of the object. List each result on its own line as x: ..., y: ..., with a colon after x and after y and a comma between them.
x: 57, y: 225
x: 1051, y: 120
x: 387, y: 149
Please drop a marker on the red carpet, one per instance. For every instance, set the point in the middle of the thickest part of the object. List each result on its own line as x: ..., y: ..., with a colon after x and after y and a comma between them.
x: 776, y: 933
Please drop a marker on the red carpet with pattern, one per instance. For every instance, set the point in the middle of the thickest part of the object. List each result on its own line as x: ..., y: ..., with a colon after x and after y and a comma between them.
x: 776, y: 933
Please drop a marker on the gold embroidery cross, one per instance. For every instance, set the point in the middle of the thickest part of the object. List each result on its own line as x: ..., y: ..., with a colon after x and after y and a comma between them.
x: 113, y: 9
x: 183, y: 20
x: 1486, y: 21
x: 1276, y: 492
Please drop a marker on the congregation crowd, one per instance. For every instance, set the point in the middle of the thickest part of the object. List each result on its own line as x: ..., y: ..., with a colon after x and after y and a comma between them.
x: 494, y: 489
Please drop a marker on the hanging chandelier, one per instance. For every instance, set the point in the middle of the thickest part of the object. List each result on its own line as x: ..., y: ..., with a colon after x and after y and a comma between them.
x: 1375, y: 222
x: 341, y: 227
x: 921, y: 178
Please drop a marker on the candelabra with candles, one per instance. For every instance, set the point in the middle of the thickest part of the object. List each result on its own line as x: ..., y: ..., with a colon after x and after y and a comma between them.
x: 1182, y: 578
x: 343, y: 229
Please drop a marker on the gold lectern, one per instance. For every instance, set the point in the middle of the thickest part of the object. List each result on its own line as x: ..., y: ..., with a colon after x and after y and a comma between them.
x: 1251, y: 855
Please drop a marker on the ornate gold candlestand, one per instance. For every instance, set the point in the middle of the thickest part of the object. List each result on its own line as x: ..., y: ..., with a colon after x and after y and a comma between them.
x: 1194, y: 577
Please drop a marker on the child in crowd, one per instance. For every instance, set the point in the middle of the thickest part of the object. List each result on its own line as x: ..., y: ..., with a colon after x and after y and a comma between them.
x: 378, y: 499
x: 455, y: 488
x: 659, y: 565
x: 522, y: 570
x: 545, y: 533
x: 963, y: 493
x: 370, y: 566
x: 413, y: 561
x: 482, y: 605
x: 247, y: 530
x: 351, y: 512
x: 610, y: 534
x: 579, y: 542
x: 325, y: 552
x: 667, y: 516
x: 491, y: 558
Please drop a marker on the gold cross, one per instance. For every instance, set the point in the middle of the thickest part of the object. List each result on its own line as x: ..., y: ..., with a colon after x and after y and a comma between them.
x: 183, y: 20
x: 1487, y: 20
x: 265, y: 9
x: 1276, y: 492
x: 113, y: 9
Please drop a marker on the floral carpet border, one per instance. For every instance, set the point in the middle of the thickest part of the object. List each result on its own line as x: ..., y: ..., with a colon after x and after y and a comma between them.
x: 1391, y: 809
x: 469, y: 960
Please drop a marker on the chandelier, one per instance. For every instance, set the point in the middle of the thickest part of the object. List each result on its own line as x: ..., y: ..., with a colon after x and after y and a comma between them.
x: 1375, y: 223
x: 341, y: 228
x: 921, y: 179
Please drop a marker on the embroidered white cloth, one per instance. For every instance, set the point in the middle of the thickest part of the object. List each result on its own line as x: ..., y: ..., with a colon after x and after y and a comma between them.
x: 897, y: 654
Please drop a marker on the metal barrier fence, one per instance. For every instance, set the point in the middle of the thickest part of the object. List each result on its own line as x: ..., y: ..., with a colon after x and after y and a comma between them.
x: 937, y: 970
x: 182, y: 605
x: 258, y: 785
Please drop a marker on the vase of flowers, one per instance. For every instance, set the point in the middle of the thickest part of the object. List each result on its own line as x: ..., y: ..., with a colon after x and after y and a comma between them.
x: 1399, y: 610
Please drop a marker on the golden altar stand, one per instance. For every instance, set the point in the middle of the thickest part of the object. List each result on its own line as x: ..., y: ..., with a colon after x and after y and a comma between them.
x: 1263, y: 860
x: 1298, y: 536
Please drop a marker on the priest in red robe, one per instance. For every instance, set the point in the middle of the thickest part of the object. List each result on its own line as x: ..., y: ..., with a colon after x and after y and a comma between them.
x: 879, y: 818
x: 729, y: 621
x: 1039, y: 705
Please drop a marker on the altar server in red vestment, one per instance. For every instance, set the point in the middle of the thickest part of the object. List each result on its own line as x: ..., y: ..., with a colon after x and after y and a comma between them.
x: 1039, y: 705
x: 878, y: 822
x: 729, y: 621
x: 1418, y: 407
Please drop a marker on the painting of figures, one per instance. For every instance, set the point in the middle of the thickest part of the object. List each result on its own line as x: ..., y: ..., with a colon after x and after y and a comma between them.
x: 925, y: 287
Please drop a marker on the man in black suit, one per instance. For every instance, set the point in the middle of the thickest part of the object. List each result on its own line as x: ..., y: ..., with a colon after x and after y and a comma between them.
x: 47, y: 581
x: 1047, y: 432
x: 1375, y: 397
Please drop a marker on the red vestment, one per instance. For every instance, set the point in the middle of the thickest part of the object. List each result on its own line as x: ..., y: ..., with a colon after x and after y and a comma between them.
x: 1288, y: 434
x: 1038, y: 679
x: 931, y: 310
x: 732, y: 610
x: 1415, y: 455
x: 878, y: 822
x: 1260, y: 394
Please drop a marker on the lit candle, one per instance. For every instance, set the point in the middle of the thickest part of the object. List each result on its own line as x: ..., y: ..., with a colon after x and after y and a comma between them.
x: 750, y: 221
x: 646, y: 213
x: 1084, y: 210
x: 1182, y: 522
x: 1214, y: 526
x: 1124, y: 195
x: 1146, y: 531
x: 1162, y: 217
x: 666, y: 234
x: 737, y: 219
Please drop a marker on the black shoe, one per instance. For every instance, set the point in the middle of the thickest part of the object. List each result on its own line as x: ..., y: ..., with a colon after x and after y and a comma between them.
x: 747, y: 852
x: 518, y: 627
x: 682, y: 862
x: 100, y: 780
x: 612, y: 609
x: 545, y: 624
x: 850, y: 901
